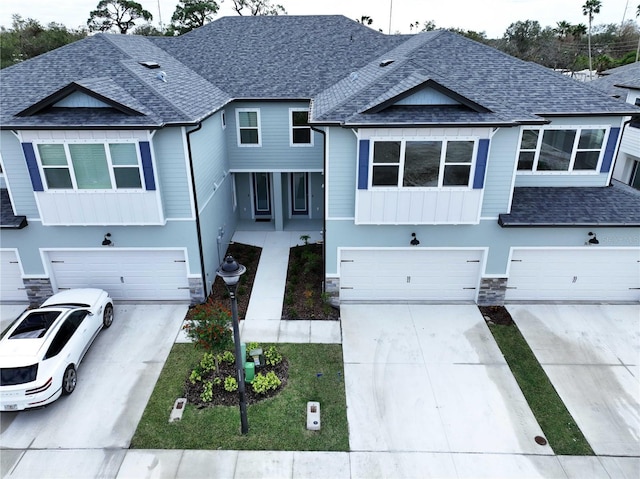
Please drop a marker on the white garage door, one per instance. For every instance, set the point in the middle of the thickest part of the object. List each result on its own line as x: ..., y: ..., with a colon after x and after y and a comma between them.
x: 585, y: 274
x: 125, y: 274
x: 409, y: 274
x: 11, y: 285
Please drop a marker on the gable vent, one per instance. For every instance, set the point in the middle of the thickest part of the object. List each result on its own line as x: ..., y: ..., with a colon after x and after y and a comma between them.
x: 150, y: 65
x: 385, y: 63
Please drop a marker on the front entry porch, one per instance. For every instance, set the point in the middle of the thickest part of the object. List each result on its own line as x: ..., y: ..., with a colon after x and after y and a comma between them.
x: 279, y: 201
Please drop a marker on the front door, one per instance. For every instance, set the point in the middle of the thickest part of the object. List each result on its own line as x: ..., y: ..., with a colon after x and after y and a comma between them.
x: 299, y: 194
x: 262, y: 196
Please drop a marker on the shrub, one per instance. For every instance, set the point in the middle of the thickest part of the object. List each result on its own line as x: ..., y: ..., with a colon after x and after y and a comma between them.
x: 196, y: 375
x: 263, y: 383
x: 210, y: 327
x: 217, y: 381
x: 207, y: 363
x: 230, y: 384
x: 207, y: 392
x: 272, y: 356
x: 228, y: 357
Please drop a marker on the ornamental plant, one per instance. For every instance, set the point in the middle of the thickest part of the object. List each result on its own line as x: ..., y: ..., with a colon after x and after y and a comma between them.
x: 263, y: 383
x: 209, y: 327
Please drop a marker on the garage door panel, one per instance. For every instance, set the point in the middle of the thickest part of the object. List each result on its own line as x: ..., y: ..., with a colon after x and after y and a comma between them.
x: 586, y: 274
x: 414, y: 274
x: 126, y: 275
x: 11, y: 283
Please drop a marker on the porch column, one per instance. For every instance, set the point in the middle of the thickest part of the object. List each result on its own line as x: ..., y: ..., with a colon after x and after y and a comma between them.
x: 278, y: 211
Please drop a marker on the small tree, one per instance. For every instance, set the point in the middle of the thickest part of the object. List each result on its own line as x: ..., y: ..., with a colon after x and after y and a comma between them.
x: 258, y: 7
x: 191, y: 14
x: 121, y: 14
x: 209, y: 327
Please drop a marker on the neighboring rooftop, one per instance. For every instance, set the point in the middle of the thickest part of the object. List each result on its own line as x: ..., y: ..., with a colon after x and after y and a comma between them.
x: 616, y: 205
x: 617, y: 81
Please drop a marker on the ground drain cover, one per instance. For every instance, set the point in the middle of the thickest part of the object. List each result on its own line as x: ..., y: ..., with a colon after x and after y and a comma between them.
x: 541, y: 440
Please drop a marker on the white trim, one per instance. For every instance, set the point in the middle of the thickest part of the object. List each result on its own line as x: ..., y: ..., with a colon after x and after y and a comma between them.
x: 16, y: 251
x: 574, y: 151
x: 341, y: 218
x: 259, y: 128
x: 271, y: 170
x: 292, y: 127
x: 441, y: 168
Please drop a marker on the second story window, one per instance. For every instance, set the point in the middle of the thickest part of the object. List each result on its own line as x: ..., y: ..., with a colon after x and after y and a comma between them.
x: 561, y: 150
x: 301, y: 134
x: 422, y: 164
x: 90, y: 166
x: 248, y: 122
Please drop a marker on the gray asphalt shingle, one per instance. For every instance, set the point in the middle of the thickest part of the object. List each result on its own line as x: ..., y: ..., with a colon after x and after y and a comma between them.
x: 616, y: 205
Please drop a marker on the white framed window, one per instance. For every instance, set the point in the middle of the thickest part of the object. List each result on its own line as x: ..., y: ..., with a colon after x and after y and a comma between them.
x: 423, y: 163
x: 300, y: 133
x: 248, y: 125
x: 90, y: 166
x: 561, y: 150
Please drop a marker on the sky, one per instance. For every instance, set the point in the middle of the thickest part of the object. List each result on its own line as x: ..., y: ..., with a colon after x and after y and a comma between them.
x: 489, y: 16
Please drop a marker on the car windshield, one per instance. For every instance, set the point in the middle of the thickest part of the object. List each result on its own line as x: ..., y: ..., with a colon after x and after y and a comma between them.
x: 35, y: 325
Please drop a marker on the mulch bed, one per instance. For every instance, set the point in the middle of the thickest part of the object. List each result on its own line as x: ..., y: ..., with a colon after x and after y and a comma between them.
x: 221, y: 397
x: 496, y: 315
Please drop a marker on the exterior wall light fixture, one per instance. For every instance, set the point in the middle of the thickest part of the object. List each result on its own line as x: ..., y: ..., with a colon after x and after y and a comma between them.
x: 107, y: 240
x: 415, y: 241
x: 592, y: 239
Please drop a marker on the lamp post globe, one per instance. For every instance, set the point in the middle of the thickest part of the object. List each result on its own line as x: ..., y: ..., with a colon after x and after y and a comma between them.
x: 230, y: 271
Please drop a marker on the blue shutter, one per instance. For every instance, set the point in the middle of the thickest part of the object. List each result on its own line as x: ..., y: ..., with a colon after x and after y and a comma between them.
x: 147, y: 166
x: 610, y: 150
x: 32, y: 166
x: 481, y: 164
x: 363, y: 165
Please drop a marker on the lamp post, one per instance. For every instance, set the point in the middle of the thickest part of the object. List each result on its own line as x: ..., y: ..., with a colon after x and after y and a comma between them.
x: 230, y: 271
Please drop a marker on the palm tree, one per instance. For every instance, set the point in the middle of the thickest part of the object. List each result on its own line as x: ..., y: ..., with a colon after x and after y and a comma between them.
x: 591, y: 8
x: 563, y: 29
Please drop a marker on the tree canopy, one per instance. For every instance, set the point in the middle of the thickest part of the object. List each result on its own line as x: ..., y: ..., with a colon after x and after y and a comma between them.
x: 258, y: 7
x: 191, y: 14
x: 29, y: 38
x: 120, y: 14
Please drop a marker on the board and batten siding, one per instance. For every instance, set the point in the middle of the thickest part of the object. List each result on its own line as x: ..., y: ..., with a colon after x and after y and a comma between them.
x: 275, y: 152
x: 499, y: 173
x: 341, y: 173
x: 17, y: 176
x: 171, y: 170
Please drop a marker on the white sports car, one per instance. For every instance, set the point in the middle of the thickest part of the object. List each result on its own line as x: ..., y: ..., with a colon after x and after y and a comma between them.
x: 41, y: 351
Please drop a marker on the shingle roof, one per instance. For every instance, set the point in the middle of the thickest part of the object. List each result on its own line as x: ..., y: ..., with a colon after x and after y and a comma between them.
x: 617, y: 80
x: 616, y: 205
x: 278, y: 56
x: 512, y: 90
x: 331, y: 60
x: 7, y: 218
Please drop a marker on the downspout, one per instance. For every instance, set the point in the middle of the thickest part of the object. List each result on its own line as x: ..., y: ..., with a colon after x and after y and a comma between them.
x: 324, y: 205
x: 195, y: 205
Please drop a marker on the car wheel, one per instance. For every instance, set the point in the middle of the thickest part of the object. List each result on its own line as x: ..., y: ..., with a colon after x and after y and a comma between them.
x: 69, y: 380
x: 107, y: 317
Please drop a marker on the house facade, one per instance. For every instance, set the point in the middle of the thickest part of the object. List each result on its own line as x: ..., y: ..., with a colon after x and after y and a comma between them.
x: 438, y: 169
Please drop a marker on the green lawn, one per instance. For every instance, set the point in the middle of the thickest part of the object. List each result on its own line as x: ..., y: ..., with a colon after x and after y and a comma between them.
x: 562, y: 433
x: 278, y: 423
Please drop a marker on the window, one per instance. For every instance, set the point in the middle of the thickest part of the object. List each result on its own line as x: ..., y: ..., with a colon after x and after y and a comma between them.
x: 422, y: 163
x: 248, y: 127
x: 561, y: 150
x: 90, y: 166
x: 64, y: 334
x: 301, y: 134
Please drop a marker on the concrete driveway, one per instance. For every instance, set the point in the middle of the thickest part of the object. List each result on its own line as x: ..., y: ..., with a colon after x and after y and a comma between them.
x: 430, y: 378
x: 115, y: 381
x: 591, y: 354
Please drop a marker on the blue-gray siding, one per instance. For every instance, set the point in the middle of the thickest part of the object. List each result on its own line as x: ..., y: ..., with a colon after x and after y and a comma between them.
x: 17, y: 176
x: 173, y: 178
x: 341, y: 174
x: 275, y: 152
